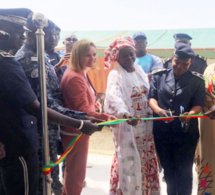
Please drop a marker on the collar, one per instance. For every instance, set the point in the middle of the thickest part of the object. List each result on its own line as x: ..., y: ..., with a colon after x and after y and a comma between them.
x: 182, y: 81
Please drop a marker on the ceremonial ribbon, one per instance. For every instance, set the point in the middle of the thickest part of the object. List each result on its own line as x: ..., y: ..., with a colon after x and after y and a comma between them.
x: 48, y: 168
x: 113, y: 122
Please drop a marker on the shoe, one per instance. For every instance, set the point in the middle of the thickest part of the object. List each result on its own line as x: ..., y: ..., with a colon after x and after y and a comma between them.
x: 57, y: 188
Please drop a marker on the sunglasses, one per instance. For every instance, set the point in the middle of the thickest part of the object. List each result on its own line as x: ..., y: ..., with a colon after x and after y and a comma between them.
x: 72, y: 39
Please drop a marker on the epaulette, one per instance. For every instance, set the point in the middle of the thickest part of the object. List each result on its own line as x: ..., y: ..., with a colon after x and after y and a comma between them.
x: 5, y: 54
x: 198, y: 75
x: 158, y: 70
x: 166, y: 60
x: 201, y: 57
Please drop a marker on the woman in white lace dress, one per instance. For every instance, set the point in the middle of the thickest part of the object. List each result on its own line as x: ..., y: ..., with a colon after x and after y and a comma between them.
x: 134, y: 169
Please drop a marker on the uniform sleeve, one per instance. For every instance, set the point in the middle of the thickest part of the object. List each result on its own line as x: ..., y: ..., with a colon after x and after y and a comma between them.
x: 17, y: 86
x: 156, y: 62
x: 53, y: 94
x: 76, y: 92
x: 114, y: 100
x: 54, y: 97
x: 199, y: 95
x: 153, y: 93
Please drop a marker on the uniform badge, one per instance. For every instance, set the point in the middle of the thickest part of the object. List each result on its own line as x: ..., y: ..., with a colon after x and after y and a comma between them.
x: 35, y: 73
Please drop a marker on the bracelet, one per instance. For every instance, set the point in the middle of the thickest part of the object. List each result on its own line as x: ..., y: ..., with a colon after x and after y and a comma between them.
x: 81, y: 125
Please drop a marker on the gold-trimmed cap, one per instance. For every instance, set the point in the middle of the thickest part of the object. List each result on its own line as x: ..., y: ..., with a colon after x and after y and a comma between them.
x: 15, y: 16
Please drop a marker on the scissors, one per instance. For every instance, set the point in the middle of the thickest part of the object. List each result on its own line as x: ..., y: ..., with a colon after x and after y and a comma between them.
x: 181, y: 109
x: 181, y: 112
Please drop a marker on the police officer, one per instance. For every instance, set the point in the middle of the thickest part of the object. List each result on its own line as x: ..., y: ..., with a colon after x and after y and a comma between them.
x: 198, y: 64
x: 19, y: 166
x: 52, y: 36
x: 3, y: 36
x: 51, y: 43
x: 27, y: 58
x: 180, y: 91
x: 18, y: 129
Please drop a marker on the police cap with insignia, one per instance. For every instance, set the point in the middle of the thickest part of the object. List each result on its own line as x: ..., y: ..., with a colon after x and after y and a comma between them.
x: 181, y: 36
x: 139, y: 35
x: 183, y: 51
x: 15, y: 16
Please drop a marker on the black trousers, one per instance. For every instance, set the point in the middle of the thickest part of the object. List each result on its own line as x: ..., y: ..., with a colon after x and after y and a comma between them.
x: 176, y: 155
x: 20, y: 175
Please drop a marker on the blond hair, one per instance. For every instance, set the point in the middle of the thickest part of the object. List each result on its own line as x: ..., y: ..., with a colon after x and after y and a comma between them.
x: 78, y: 51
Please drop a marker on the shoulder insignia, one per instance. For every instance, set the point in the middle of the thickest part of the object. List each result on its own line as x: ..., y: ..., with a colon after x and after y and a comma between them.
x: 5, y: 54
x: 35, y: 73
x: 157, y: 70
x: 166, y: 60
x: 201, y: 57
x: 198, y: 75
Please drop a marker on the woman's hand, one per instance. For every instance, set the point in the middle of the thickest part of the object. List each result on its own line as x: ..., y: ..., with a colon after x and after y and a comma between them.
x: 153, y: 103
x: 2, y: 151
x: 132, y: 122
x: 98, y: 107
x: 164, y: 113
x: 211, y: 113
x: 111, y: 118
x: 185, y: 119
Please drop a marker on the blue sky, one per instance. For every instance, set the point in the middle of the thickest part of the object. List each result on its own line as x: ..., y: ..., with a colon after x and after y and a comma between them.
x: 122, y: 14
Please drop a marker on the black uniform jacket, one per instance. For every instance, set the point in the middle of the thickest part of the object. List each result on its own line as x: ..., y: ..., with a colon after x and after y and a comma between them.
x: 187, y: 91
x: 18, y: 129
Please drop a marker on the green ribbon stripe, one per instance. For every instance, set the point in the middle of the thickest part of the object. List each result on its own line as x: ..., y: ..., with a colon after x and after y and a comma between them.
x: 150, y: 118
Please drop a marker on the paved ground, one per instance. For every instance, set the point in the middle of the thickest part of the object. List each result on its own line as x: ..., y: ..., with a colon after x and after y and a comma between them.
x: 100, y: 158
x: 98, y: 176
